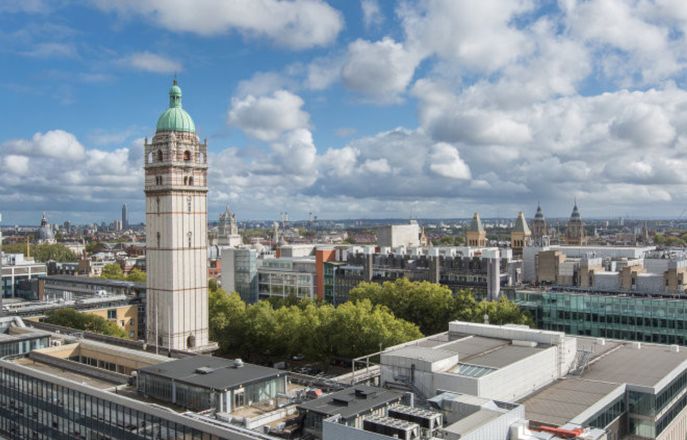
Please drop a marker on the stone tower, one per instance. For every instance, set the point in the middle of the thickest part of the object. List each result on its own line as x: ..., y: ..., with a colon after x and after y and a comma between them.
x: 574, y: 234
x: 228, y: 229
x: 520, y: 236
x: 539, y: 231
x: 176, y: 232
x: 476, y: 236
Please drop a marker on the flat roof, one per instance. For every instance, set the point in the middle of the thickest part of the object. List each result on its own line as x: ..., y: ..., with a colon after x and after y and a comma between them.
x: 475, y: 420
x: 221, y: 373
x: 351, y: 401
x: 565, y: 399
x: 645, y: 366
x: 421, y: 353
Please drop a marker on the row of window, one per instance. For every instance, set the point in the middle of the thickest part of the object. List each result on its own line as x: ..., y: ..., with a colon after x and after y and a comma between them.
x: 31, y: 408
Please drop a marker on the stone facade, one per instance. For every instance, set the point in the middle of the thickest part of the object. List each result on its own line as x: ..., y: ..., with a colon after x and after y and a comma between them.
x: 176, y: 241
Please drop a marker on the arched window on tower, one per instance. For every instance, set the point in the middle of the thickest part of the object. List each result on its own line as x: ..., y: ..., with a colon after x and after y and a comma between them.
x: 159, y: 155
x: 157, y: 205
x: 158, y: 240
x: 187, y: 155
x: 190, y: 181
x: 185, y: 180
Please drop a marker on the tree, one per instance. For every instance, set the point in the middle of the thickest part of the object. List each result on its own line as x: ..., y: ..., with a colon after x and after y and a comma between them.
x: 84, y: 321
x: 112, y: 271
x: 429, y: 305
x: 136, y: 276
x: 432, y: 306
x: 43, y: 252
x: 261, y: 331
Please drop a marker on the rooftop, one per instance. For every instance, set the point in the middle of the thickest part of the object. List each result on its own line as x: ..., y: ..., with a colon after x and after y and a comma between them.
x: 211, y: 372
x: 565, y: 399
x: 351, y: 401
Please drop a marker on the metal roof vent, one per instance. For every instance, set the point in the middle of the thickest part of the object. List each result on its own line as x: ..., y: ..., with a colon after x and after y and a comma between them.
x: 238, y: 363
x: 204, y: 370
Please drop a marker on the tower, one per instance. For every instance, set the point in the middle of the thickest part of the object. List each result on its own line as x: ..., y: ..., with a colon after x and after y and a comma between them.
x: 539, y: 231
x: 520, y: 236
x: 228, y: 229
x: 476, y: 236
x: 125, y: 216
x: 574, y: 233
x: 176, y: 232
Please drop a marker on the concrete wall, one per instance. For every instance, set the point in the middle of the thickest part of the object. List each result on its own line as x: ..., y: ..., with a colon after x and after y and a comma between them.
x: 521, y: 378
x: 399, y: 235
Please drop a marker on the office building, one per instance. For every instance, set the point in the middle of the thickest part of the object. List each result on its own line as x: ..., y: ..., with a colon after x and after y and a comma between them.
x: 240, y: 272
x: 125, y: 216
x: 399, y: 235
x: 624, y: 388
x: 284, y: 277
x: 201, y: 383
x: 176, y: 232
x: 17, y: 273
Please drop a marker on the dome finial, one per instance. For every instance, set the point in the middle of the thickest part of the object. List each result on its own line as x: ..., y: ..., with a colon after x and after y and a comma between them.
x: 175, y: 94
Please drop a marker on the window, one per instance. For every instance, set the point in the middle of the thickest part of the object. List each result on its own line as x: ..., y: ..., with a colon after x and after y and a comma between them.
x: 190, y: 181
x: 190, y: 237
x: 187, y: 155
x: 157, y: 203
x: 158, y: 240
x: 112, y: 314
x: 150, y: 157
x: 159, y: 155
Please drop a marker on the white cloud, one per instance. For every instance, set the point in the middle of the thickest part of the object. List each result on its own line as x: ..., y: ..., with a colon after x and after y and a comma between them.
x: 15, y: 164
x: 477, y: 35
x: 379, y: 70
x: 445, y: 161
x: 54, y: 143
x: 372, y: 14
x: 151, y: 62
x: 51, y: 50
x: 53, y: 171
x: 376, y: 166
x: 268, y: 117
x: 297, y: 24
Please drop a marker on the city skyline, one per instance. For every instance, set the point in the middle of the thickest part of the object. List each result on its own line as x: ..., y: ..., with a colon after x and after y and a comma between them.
x: 351, y: 109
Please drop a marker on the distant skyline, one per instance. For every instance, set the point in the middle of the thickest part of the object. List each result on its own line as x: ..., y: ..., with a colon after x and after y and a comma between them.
x: 350, y: 109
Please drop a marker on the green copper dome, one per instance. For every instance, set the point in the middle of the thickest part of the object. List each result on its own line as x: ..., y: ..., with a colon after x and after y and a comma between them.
x: 175, y: 118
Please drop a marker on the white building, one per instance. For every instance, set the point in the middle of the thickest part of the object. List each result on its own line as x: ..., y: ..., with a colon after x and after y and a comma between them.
x: 394, y: 236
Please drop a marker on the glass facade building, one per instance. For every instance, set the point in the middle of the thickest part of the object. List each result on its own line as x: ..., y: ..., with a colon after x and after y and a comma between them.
x: 634, y: 318
x: 34, y: 405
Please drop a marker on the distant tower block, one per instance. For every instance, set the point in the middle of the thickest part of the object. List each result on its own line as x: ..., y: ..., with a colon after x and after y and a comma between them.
x: 520, y: 236
x: 574, y: 234
x: 476, y: 236
x: 176, y: 232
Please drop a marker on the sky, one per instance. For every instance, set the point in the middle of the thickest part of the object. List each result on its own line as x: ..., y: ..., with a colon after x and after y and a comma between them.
x: 349, y: 108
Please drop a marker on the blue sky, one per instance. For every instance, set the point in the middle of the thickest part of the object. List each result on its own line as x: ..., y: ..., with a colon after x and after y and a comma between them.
x: 350, y: 108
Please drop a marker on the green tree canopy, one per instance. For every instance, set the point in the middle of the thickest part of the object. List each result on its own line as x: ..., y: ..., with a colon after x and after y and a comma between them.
x: 260, y: 330
x: 431, y: 306
x: 84, y: 321
x: 43, y: 252
x: 113, y: 271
